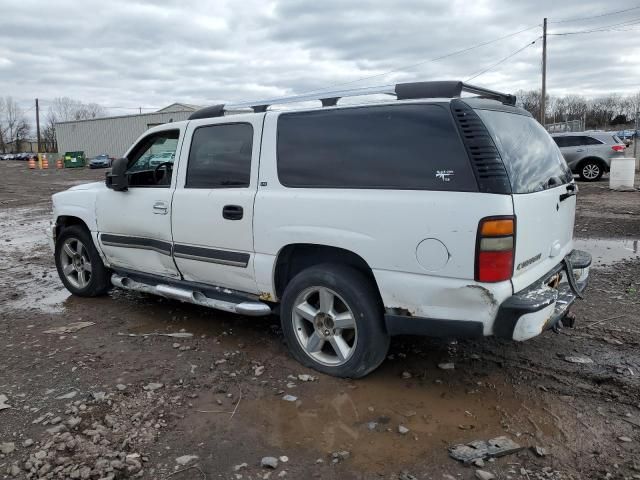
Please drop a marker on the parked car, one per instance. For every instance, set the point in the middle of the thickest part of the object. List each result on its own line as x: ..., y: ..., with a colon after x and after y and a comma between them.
x: 100, y: 161
x: 428, y: 214
x: 589, y: 154
x: 162, y: 157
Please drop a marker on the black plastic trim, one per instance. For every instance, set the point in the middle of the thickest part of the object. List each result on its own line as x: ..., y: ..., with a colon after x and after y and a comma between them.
x: 432, y: 327
x: 447, y: 89
x: 531, y: 299
x: 212, y: 255
x: 208, y: 112
x: 484, y: 156
x: 125, y: 241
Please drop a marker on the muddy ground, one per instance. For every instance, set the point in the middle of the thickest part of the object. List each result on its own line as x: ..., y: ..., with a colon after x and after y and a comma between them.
x: 118, y: 399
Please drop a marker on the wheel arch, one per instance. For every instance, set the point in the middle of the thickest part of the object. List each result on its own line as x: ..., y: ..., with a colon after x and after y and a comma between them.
x: 597, y: 160
x: 295, y: 257
x: 64, y: 221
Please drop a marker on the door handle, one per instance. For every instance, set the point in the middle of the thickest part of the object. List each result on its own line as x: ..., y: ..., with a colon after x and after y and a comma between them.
x: 580, y: 150
x: 232, y: 212
x: 160, y: 208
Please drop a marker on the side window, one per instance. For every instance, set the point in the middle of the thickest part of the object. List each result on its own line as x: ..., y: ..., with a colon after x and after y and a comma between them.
x: 151, y: 160
x: 410, y: 147
x: 573, y: 141
x: 561, y: 141
x: 591, y: 141
x: 220, y: 156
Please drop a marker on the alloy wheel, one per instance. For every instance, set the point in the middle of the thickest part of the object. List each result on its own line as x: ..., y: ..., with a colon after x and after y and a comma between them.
x: 324, y: 326
x: 590, y: 171
x: 76, y: 265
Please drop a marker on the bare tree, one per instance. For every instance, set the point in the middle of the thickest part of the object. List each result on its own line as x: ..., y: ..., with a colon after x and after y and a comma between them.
x: 65, y: 109
x: 14, y: 127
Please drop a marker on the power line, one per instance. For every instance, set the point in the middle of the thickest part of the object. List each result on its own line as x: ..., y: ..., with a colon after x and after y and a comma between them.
x: 595, y: 16
x: 406, y: 67
x: 604, y: 28
x: 501, y: 61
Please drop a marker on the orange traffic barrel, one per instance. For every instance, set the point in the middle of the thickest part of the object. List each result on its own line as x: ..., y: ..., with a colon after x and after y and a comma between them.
x: 45, y: 162
x: 32, y: 163
x: 59, y: 163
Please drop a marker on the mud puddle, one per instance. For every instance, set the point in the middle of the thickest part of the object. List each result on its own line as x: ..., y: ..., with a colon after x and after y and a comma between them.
x: 26, y: 258
x: 607, y: 251
x: 363, y: 418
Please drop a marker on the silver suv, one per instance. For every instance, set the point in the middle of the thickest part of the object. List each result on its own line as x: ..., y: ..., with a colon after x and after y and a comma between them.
x: 589, y: 153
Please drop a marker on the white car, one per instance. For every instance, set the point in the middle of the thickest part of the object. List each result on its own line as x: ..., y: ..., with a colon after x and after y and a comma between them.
x: 428, y: 213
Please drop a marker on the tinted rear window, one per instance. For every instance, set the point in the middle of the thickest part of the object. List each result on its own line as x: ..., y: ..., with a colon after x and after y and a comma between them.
x: 413, y: 147
x: 531, y: 157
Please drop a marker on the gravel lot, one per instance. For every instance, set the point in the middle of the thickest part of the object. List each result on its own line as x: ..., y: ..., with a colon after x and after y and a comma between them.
x: 119, y: 398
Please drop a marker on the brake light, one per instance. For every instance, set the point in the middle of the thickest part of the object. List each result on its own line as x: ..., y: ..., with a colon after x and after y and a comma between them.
x: 495, y: 249
x: 618, y: 148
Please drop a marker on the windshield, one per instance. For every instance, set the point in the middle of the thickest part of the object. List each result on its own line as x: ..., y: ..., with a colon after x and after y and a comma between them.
x: 531, y: 157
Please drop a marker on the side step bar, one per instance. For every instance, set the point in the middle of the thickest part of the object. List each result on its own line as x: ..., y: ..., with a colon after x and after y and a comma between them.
x: 252, y: 309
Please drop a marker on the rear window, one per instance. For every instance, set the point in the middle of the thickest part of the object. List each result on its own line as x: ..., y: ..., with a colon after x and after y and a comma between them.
x: 531, y: 157
x: 412, y: 147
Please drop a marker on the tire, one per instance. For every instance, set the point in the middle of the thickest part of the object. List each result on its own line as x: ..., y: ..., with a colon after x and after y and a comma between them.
x: 312, y: 333
x: 591, y: 170
x: 75, y: 254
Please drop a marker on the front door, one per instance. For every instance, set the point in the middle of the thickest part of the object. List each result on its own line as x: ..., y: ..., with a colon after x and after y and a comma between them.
x: 135, y: 225
x: 213, y: 202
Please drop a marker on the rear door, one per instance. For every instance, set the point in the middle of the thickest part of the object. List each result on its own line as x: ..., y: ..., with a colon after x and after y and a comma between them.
x: 543, y: 199
x: 212, y: 206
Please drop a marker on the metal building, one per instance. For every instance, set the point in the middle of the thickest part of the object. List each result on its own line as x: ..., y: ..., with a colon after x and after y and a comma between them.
x: 114, y: 135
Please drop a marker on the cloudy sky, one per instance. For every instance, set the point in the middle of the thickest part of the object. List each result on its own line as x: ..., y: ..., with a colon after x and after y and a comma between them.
x: 149, y: 54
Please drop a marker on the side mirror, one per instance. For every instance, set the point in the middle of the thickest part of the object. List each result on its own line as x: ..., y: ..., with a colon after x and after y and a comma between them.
x: 117, y: 179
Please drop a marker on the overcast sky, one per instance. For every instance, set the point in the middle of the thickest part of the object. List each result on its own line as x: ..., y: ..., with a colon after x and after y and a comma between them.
x: 129, y: 54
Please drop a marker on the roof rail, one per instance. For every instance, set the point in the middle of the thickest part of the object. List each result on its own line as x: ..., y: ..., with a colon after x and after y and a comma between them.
x: 402, y: 91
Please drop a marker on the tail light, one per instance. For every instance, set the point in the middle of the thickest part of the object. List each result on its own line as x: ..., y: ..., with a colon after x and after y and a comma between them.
x: 495, y: 249
x: 618, y: 148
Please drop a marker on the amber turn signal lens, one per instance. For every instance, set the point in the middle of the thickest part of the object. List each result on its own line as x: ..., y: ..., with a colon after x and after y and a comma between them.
x: 497, y: 228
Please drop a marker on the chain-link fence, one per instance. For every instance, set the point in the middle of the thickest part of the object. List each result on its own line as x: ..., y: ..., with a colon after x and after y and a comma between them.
x: 568, y: 126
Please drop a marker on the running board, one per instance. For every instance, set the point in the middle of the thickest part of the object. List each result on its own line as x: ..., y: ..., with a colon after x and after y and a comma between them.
x: 252, y: 309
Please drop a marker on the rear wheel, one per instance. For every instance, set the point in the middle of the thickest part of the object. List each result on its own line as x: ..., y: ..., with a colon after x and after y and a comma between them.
x: 78, y: 263
x: 591, y: 171
x: 332, y: 320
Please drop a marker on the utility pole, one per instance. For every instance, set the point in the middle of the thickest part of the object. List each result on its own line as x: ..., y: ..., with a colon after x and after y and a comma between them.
x: 38, y: 123
x: 543, y: 100
x: 636, y: 139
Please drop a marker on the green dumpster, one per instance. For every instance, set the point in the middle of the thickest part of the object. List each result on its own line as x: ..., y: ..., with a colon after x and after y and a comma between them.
x: 74, y: 159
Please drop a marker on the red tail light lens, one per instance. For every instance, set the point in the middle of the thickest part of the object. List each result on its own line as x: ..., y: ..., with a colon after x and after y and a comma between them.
x: 618, y: 148
x: 495, y: 249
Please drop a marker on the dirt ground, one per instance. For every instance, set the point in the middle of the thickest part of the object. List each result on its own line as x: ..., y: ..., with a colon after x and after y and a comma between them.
x: 120, y: 399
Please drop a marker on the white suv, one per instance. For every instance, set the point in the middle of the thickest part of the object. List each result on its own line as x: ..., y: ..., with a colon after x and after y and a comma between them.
x: 425, y: 214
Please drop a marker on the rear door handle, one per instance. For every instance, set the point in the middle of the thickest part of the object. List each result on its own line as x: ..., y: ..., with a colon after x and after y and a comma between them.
x: 232, y: 212
x: 160, y: 208
x: 580, y: 150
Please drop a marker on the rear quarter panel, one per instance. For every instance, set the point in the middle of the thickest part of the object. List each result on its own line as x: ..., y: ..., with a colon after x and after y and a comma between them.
x: 384, y: 227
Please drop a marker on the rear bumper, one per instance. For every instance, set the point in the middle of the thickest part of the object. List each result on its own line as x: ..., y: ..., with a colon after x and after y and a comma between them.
x: 519, y: 317
x: 541, y: 306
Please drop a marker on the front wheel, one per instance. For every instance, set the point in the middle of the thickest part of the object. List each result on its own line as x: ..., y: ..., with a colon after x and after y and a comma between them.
x: 591, y: 171
x: 332, y: 319
x: 78, y: 263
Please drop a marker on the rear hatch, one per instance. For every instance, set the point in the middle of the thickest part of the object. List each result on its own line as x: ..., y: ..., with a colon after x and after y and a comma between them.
x: 543, y: 193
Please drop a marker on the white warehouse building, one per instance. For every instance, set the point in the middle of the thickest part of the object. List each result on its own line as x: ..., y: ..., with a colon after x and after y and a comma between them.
x: 114, y: 135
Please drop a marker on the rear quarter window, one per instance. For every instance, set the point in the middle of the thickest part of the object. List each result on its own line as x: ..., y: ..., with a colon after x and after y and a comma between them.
x: 591, y: 141
x: 411, y: 147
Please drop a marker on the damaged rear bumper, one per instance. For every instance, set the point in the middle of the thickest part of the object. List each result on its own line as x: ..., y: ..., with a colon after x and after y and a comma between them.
x: 543, y: 304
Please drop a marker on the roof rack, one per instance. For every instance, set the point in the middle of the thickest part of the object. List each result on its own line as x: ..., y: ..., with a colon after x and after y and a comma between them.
x: 402, y: 91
